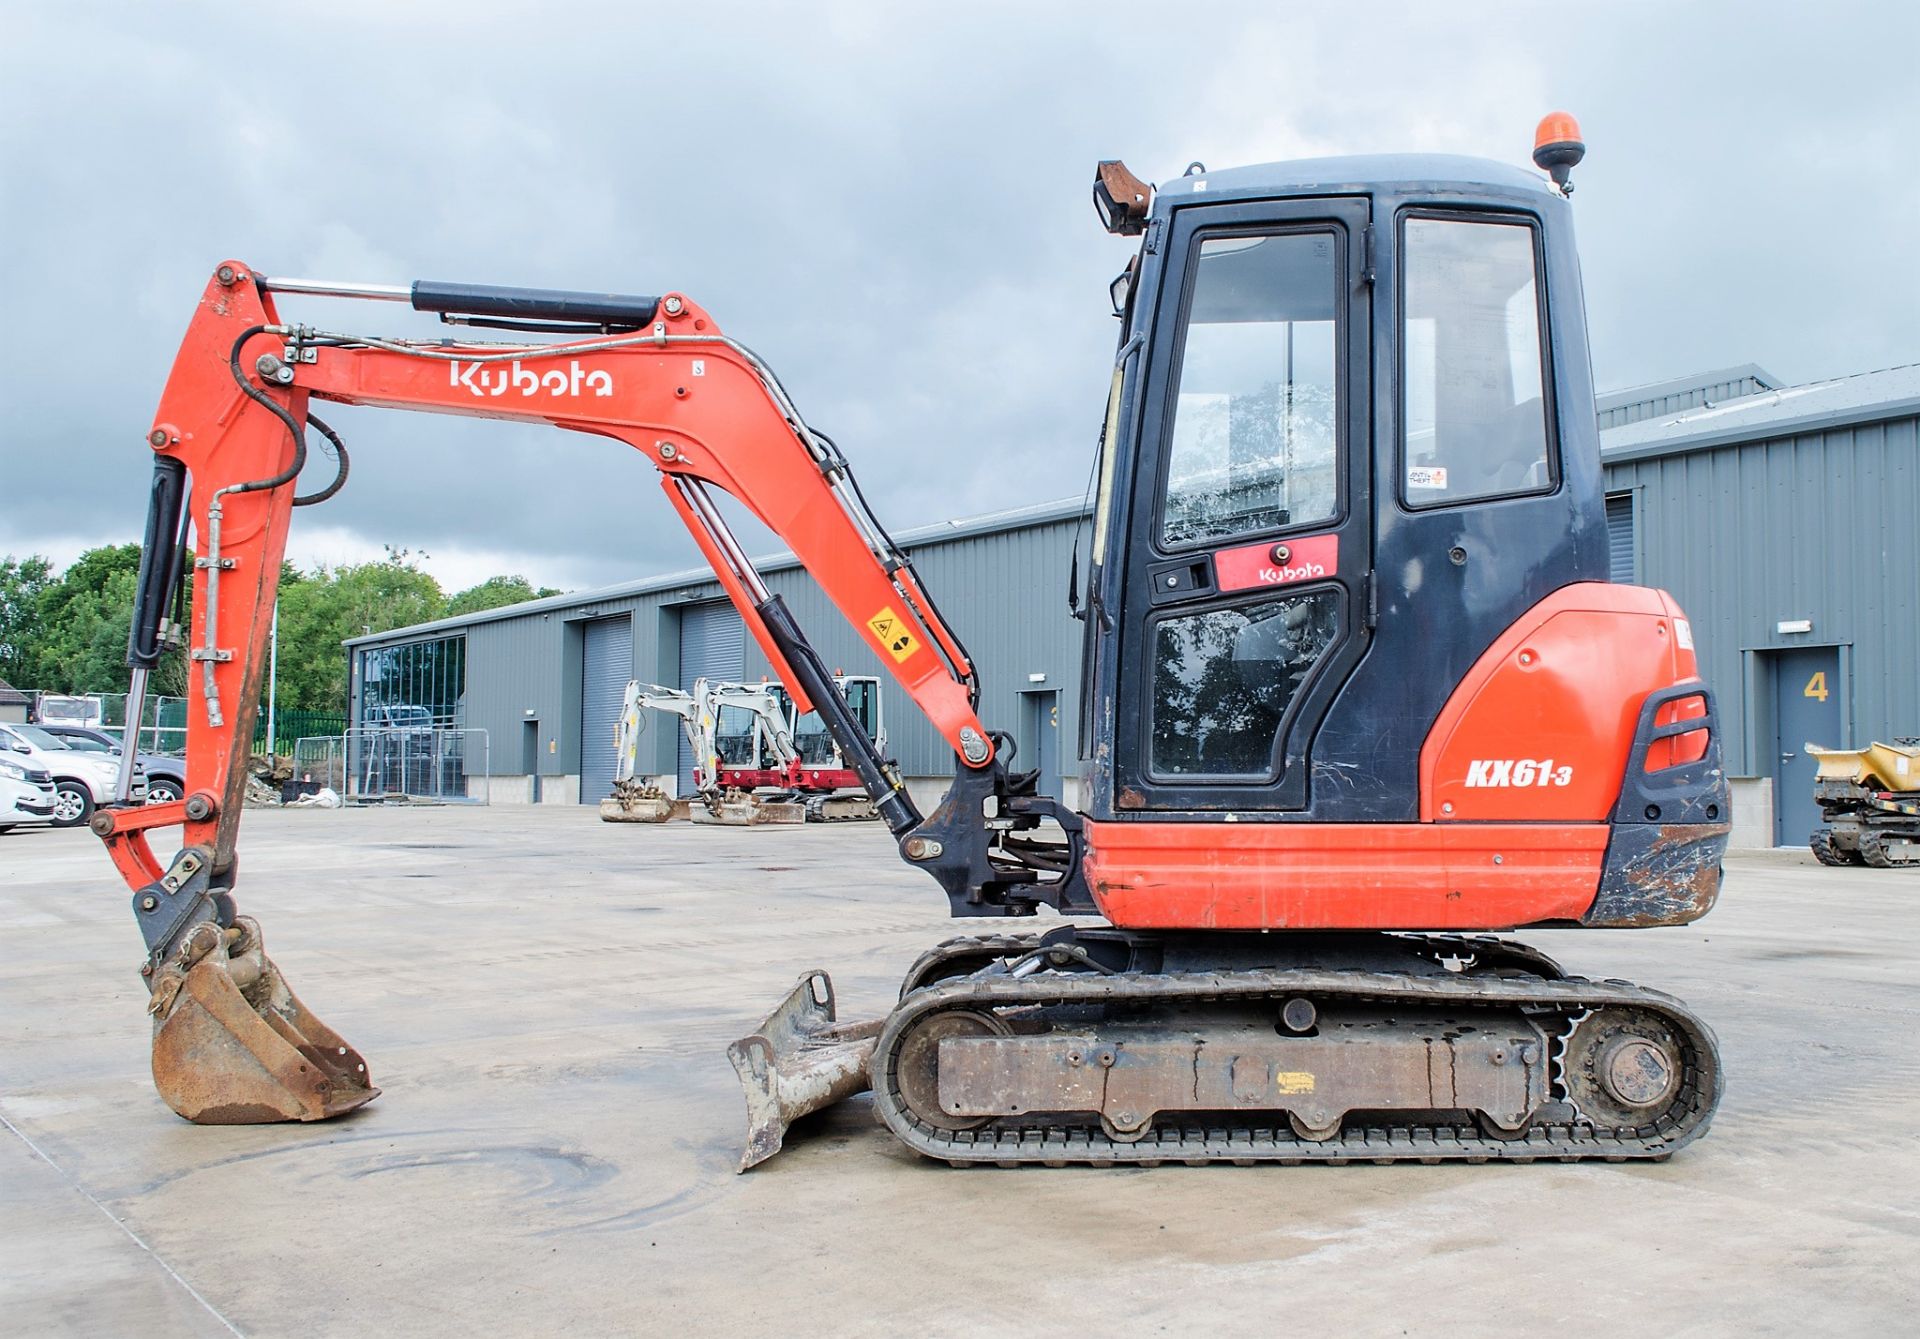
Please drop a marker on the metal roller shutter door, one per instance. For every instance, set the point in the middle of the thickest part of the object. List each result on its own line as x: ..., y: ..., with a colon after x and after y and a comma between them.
x: 1620, y: 537
x: 712, y: 646
x: 605, y: 667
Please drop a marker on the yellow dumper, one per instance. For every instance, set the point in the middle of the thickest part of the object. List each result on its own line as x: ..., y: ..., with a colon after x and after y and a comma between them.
x: 1870, y: 799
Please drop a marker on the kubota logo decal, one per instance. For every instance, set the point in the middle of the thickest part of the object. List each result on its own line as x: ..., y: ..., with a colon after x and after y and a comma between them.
x: 1312, y: 558
x: 1518, y: 772
x: 483, y: 380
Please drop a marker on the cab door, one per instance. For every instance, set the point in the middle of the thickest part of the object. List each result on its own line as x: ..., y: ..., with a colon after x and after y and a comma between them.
x: 1249, y: 555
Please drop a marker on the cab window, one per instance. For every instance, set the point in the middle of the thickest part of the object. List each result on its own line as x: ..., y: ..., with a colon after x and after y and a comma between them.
x: 1254, y: 432
x: 1473, y: 407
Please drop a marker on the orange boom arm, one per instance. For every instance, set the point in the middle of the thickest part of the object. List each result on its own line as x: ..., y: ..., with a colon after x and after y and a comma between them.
x: 700, y: 407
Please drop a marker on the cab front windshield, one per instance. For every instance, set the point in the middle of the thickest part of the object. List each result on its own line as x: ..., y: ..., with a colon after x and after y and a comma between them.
x: 810, y: 738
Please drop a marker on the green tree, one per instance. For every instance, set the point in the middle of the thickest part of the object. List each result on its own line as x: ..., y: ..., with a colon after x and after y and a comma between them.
x: 22, y: 580
x: 495, y: 592
x: 84, y: 617
x: 329, y: 605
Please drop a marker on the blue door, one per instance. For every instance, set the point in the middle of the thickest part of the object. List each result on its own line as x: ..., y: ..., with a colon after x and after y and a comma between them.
x: 1806, y: 710
x: 1040, y: 740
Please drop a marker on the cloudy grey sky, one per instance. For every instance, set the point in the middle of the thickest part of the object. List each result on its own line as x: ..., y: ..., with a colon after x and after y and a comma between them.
x: 889, y: 201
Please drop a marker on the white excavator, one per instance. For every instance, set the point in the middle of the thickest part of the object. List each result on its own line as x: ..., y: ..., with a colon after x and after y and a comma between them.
x: 635, y: 799
x: 756, y: 758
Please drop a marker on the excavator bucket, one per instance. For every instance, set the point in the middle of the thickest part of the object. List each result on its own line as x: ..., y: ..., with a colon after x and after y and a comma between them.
x: 800, y: 1061
x: 742, y: 809
x: 232, y: 1045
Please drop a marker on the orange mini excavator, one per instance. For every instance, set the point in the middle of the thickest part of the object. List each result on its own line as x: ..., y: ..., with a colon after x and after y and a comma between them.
x: 1356, y: 691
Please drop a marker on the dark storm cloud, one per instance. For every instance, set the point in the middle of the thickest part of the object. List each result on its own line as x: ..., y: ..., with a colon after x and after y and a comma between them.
x: 887, y: 201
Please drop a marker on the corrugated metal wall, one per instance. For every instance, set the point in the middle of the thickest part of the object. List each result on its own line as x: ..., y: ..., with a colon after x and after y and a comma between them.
x: 1003, y: 591
x: 1620, y: 541
x: 606, y: 665
x: 711, y: 638
x: 1692, y: 397
x: 529, y: 668
x: 1820, y: 526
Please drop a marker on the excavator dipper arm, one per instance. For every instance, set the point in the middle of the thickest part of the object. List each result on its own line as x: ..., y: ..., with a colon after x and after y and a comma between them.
x: 230, y: 444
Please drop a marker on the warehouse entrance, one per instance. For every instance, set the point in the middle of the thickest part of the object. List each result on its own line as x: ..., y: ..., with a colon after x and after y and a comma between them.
x: 712, y: 646
x: 606, y: 663
x: 1040, y: 739
x: 1806, y: 709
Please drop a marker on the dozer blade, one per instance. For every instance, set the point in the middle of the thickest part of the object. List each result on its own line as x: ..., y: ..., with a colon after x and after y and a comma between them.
x: 799, y: 1062
x: 232, y: 1045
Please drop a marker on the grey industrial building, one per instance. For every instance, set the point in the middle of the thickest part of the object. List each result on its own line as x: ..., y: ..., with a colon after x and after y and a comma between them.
x: 1781, y: 517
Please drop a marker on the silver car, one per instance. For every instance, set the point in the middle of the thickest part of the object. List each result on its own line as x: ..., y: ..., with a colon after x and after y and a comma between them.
x: 82, y: 782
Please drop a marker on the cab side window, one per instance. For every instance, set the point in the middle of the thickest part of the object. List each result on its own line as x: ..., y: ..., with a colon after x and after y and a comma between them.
x: 1254, y: 438
x: 1473, y: 405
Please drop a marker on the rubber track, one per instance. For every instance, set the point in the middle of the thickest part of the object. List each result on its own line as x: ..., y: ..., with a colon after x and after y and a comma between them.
x: 1512, y: 952
x: 962, y: 947
x: 1008, y: 1144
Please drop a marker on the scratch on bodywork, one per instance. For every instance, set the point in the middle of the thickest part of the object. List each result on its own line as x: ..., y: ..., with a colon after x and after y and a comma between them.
x: 1674, y: 878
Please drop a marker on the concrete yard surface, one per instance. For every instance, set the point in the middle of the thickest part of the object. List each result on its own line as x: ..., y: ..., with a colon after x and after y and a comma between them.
x: 546, y: 1000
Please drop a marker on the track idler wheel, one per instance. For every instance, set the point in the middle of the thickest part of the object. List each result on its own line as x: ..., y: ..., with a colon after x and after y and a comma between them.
x: 232, y: 1045
x: 917, y: 1074
x: 1623, y: 1067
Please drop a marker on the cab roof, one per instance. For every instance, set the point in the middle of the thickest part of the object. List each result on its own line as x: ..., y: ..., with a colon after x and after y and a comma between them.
x: 1393, y: 173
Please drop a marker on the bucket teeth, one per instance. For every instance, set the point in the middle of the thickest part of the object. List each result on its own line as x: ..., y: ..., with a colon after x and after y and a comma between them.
x: 232, y: 1045
x: 800, y: 1061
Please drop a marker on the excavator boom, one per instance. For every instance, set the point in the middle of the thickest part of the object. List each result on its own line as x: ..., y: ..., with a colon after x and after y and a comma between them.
x: 230, y: 443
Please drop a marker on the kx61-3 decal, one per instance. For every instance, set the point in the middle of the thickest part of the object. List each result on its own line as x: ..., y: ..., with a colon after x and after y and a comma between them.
x: 1518, y: 772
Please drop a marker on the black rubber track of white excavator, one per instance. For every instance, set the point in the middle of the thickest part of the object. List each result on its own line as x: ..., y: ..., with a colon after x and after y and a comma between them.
x: 1057, y: 1142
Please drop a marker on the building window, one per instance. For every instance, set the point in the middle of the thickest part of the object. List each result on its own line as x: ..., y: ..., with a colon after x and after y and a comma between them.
x: 414, y: 685
x: 1621, y: 523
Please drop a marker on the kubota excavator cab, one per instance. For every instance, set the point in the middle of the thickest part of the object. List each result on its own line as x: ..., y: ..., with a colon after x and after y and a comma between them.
x: 1351, y: 450
x: 1354, y: 443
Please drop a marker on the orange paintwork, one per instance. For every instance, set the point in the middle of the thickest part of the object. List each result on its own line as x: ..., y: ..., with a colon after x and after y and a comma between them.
x: 1561, y: 689
x: 705, y: 400
x: 1563, y: 686
x: 1342, y: 876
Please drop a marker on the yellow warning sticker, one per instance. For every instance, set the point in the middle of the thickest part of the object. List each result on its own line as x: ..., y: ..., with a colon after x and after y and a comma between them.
x: 893, y: 632
x: 1293, y: 1081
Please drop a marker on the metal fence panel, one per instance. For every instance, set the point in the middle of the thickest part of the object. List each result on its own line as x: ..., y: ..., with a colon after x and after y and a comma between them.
x: 321, y: 760
x: 416, y: 762
x: 293, y: 724
x: 163, y: 725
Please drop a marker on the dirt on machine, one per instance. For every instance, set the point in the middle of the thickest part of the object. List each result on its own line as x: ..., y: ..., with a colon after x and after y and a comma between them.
x: 1358, y: 698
